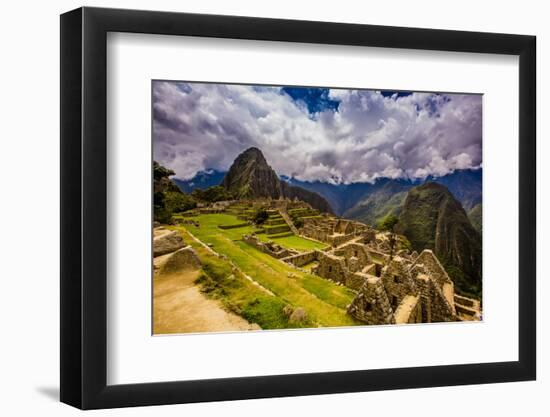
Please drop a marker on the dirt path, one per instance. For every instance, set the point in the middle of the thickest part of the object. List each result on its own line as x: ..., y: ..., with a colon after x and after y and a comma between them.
x: 179, y: 307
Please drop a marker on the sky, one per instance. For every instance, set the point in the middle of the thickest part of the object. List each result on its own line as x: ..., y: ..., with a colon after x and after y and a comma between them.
x: 316, y: 134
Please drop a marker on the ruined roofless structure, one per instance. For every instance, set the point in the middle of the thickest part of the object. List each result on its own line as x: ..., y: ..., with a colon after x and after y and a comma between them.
x: 391, y: 289
x: 393, y: 285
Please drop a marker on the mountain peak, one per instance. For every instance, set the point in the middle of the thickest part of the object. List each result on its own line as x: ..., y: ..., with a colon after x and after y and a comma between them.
x: 252, y: 153
x: 433, y: 187
x: 250, y: 176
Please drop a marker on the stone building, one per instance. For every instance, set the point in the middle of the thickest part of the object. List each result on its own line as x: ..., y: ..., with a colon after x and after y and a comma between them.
x: 268, y: 247
x: 332, y: 230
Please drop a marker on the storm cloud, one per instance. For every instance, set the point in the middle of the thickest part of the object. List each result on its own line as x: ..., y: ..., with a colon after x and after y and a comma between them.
x: 361, y: 136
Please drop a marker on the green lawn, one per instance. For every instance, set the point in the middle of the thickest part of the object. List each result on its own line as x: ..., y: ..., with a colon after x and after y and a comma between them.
x: 323, y: 300
x: 296, y: 242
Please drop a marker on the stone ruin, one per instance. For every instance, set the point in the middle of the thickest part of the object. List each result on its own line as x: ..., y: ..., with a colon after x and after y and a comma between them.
x: 391, y: 290
x: 268, y: 247
x: 332, y: 230
x: 393, y: 285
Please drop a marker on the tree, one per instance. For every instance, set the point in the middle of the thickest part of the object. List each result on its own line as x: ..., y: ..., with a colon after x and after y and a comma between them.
x: 167, y: 197
x: 160, y: 172
x: 178, y: 202
x: 388, y: 222
x: 298, y: 222
x: 260, y: 216
x: 212, y: 194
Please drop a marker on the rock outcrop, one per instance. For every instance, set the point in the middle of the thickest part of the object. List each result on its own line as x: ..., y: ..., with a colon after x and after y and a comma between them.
x: 166, y: 243
x: 181, y: 260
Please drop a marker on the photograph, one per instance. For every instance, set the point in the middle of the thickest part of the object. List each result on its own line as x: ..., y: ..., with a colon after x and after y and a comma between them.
x: 285, y: 207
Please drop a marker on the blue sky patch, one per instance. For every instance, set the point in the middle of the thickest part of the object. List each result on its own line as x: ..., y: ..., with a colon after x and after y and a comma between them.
x: 390, y: 93
x: 315, y: 99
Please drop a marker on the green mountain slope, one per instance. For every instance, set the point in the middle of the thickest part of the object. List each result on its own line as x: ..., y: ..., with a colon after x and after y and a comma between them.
x: 475, y: 216
x: 387, y: 200
x: 432, y: 218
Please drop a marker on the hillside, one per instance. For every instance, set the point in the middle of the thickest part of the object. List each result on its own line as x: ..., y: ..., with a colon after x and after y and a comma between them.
x: 384, y: 200
x: 475, y: 216
x: 432, y: 218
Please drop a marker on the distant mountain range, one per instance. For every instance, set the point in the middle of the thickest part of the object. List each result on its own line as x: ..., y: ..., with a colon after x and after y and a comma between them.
x: 365, y: 201
x: 202, y: 180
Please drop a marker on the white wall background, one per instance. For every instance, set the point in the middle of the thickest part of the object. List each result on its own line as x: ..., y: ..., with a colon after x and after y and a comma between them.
x: 29, y: 219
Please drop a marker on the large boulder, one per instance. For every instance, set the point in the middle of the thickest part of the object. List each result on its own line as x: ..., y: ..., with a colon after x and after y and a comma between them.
x: 184, y: 259
x: 167, y: 243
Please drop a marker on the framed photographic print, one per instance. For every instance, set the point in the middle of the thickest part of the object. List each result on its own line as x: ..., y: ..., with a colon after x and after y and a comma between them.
x: 258, y: 208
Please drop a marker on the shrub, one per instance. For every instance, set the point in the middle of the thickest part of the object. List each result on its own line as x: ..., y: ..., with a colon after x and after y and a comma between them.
x: 260, y: 216
x: 162, y: 215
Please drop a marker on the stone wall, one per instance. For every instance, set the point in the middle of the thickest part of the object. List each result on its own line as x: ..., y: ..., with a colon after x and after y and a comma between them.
x: 302, y: 259
x: 337, y: 239
x: 433, y: 267
x: 435, y: 307
x: 397, y: 281
x: 371, y: 306
x: 356, y: 280
x: 441, y: 309
x: 408, y: 310
x: 355, y: 250
x: 377, y: 256
x: 270, y: 248
x: 331, y: 267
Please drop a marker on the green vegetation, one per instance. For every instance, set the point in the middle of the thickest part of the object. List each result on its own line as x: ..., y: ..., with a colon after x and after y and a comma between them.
x: 280, y: 228
x: 212, y: 194
x: 385, y: 201
x: 295, y: 242
x: 388, y: 222
x: 338, y: 296
x: 323, y: 300
x: 260, y: 216
x: 219, y: 280
x: 475, y: 216
x: 178, y: 202
x: 462, y: 285
x: 298, y: 222
x: 302, y: 212
x: 167, y: 197
x: 433, y: 219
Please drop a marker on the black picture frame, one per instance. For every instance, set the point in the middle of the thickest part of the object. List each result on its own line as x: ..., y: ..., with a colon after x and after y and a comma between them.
x: 84, y: 207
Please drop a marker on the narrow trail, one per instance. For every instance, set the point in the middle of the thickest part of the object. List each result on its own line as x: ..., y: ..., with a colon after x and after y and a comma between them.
x: 180, y: 307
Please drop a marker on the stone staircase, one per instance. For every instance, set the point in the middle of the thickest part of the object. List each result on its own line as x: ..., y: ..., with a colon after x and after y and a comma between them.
x: 288, y: 221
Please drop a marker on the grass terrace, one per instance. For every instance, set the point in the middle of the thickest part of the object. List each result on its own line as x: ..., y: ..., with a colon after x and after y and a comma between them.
x: 324, y: 301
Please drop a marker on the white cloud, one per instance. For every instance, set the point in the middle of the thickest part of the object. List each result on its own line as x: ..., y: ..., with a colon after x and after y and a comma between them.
x: 205, y: 126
